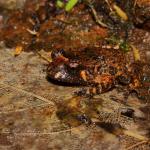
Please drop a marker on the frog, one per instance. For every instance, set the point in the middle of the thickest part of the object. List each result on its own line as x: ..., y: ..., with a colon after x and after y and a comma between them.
x: 97, y: 70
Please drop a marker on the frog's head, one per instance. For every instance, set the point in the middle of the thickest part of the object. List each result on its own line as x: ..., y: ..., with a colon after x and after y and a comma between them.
x: 64, y: 68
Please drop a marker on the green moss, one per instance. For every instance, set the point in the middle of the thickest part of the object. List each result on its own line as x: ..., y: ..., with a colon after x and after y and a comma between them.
x: 123, y: 45
x: 113, y: 40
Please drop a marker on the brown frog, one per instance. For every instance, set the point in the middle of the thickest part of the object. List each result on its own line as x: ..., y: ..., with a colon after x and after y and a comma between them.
x: 98, y: 69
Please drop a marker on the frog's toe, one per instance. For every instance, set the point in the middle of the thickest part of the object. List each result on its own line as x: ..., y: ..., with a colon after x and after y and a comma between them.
x: 88, y: 92
x: 81, y: 92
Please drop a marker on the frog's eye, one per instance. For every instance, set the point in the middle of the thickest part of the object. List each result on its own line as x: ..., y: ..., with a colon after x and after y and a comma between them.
x: 61, y: 72
x: 57, y: 53
x: 73, y: 64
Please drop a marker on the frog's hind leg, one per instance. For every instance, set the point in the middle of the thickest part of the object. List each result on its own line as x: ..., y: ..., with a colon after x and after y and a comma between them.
x: 143, y: 92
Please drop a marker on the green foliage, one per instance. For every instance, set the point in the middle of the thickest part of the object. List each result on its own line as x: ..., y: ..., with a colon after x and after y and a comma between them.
x: 124, y: 46
x: 59, y: 4
x: 68, y: 6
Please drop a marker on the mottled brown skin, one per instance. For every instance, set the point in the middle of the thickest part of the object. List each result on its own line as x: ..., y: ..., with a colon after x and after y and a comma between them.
x: 98, y: 69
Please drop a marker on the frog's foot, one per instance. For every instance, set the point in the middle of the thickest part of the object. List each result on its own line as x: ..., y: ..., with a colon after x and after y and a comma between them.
x: 84, y: 92
x: 89, y: 91
x: 126, y: 92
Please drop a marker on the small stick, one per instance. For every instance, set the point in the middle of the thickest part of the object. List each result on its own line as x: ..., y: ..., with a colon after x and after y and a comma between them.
x: 23, y: 109
x: 109, y: 5
x: 48, y: 133
x: 135, y: 135
x: 96, y: 17
x: 135, y: 2
x: 137, y: 144
x: 28, y: 93
x: 32, y: 32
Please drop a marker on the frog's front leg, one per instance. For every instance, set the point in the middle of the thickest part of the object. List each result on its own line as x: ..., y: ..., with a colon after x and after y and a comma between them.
x: 90, y: 91
x: 86, y: 91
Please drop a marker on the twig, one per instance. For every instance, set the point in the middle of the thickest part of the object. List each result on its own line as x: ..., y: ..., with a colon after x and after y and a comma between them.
x: 95, y: 15
x: 23, y: 109
x: 137, y: 144
x: 32, y: 32
x: 48, y: 133
x: 135, y: 2
x: 28, y: 93
x: 135, y: 135
x: 109, y: 5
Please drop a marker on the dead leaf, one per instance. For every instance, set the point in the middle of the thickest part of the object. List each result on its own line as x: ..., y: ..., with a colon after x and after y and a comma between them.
x: 120, y: 12
x: 18, y: 50
x: 136, y: 53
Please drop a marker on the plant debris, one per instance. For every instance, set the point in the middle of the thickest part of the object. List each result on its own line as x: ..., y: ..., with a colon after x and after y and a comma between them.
x: 98, y: 75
